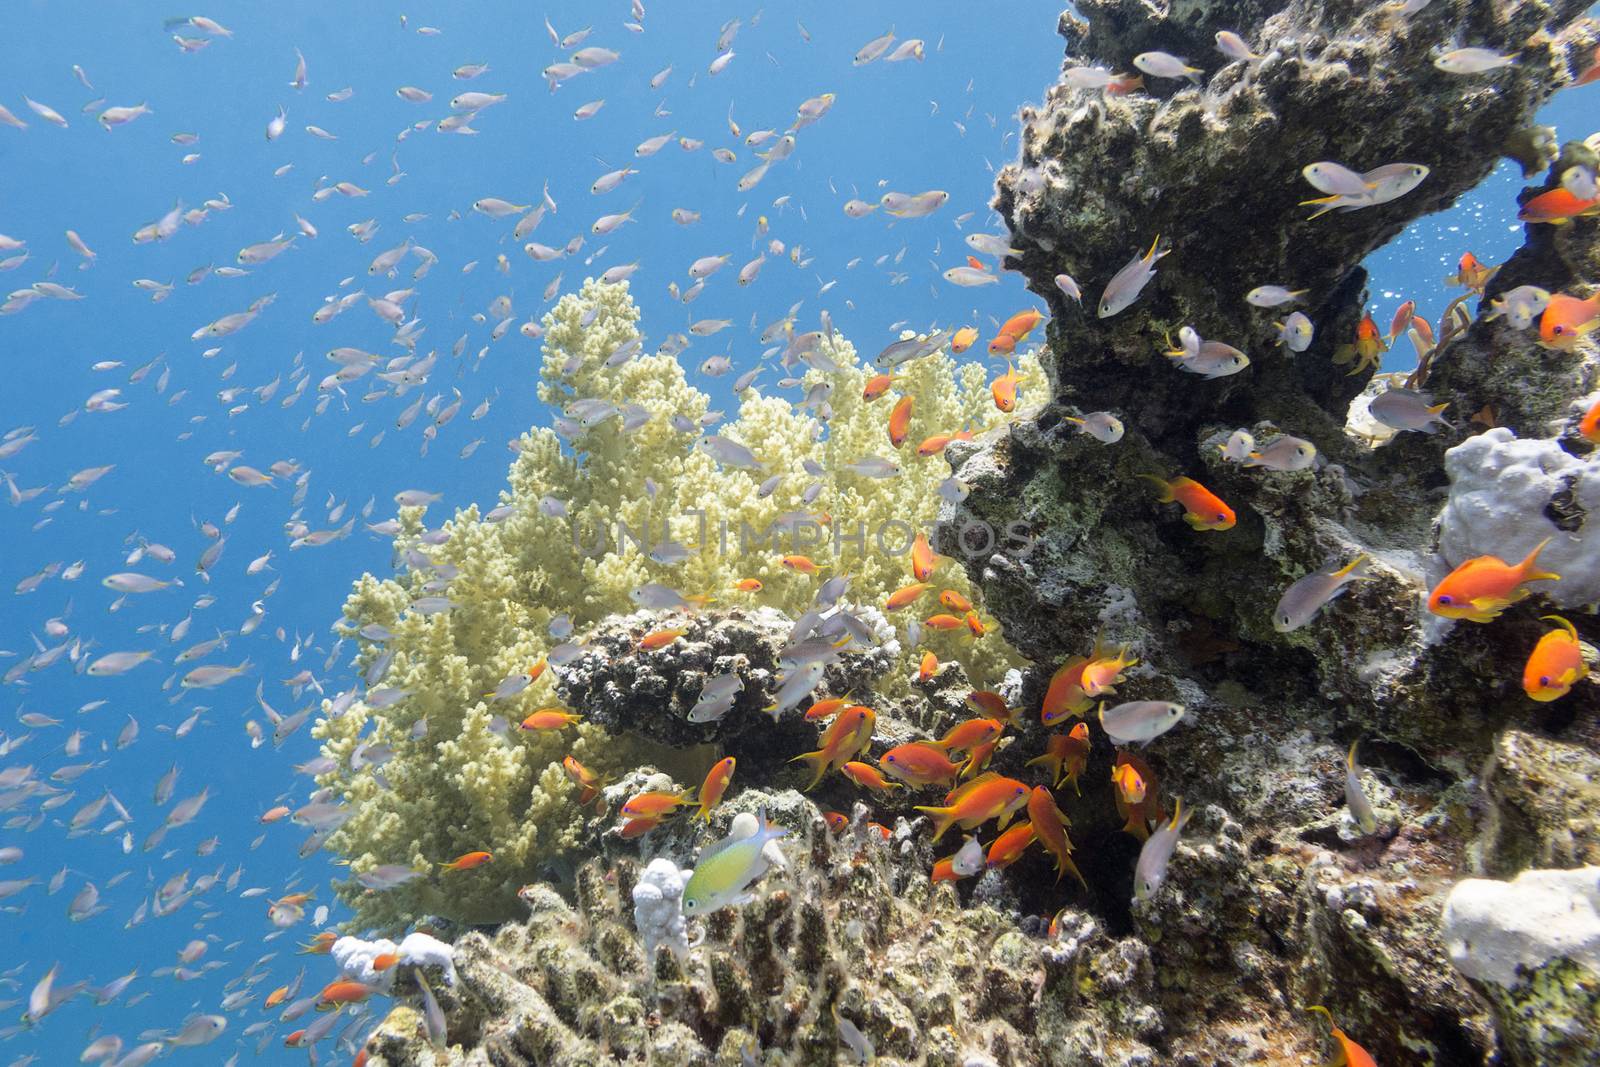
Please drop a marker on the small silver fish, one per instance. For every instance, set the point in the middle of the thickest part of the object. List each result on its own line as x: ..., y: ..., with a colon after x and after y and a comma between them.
x: 1139, y: 721
x: 1271, y: 296
x: 1407, y: 409
x: 1285, y: 454
x: 1238, y: 446
x: 1101, y: 425
x: 1306, y: 596
x: 1472, y: 61
x: 1151, y: 869
x: 1295, y: 332
x: 1355, y: 798
x: 1126, y: 285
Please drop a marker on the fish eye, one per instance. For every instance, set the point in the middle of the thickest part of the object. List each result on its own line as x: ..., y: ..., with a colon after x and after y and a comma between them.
x: 1221, y: 517
x: 1544, y: 680
x: 1444, y: 600
x: 1559, y: 330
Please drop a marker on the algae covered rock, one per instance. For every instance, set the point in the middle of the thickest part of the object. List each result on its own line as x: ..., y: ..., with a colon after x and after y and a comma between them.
x: 1532, y: 947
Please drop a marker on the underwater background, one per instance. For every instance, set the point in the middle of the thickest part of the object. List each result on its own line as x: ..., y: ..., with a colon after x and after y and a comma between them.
x: 120, y: 373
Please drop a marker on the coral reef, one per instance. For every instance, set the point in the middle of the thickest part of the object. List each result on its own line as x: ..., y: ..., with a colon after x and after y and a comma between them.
x: 575, y: 534
x: 1099, y: 178
x: 1278, y: 896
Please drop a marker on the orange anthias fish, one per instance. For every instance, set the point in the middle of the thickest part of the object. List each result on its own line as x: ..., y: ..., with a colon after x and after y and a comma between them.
x: 963, y: 339
x: 1004, y: 390
x: 1139, y: 814
x: 1555, y: 664
x: 801, y: 564
x: 836, y: 820
x: 992, y: 704
x: 1557, y: 207
x: 587, y: 781
x: 1369, y: 344
x: 1402, y: 319
x: 1101, y: 675
x: 1350, y: 1054
x: 1014, y: 331
x: 1009, y: 846
x: 827, y: 709
x: 900, y: 420
x: 550, y: 719
x: 384, y: 960
x: 964, y: 736
x: 1589, y: 425
x: 906, y: 596
x: 1065, y: 756
x: 345, y: 992
x: 1050, y: 827
x: 989, y: 796
x: 1471, y: 273
x: 748, y: 585
x: 979, y: 757
x: 467, y: 861
x: 846, y: 736
x: 932, y: 446
x: 274, y: 814
x: 876, y: 386
x: 1566, y: 319
x: 637, y: 828
x: 655, y: 805
x: 928, y: 667
x: 276, y: 997
x: 1202, y: 509
x: 659, y: 639
x: 943, y: 622
x: 919, y: 763
x: 1481, y: 588
x: 868, y: 777
x: 955, y: 601
x: 319, y: 945
x: 1123, y: 84
x: 1591, y: 73
x: 1065, y: 695
x: 1130, y: 784
x: 715, y: 785
x: 923, y: 559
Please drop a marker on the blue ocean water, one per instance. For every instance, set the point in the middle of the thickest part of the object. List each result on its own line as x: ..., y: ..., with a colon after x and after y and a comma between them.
x: 943, y: 122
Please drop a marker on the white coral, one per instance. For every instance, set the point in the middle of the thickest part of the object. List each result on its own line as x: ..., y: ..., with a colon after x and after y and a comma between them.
x: 1499, y: 931
x: 658, y: 907
x: 354, y: 958
x: 1501, y: 489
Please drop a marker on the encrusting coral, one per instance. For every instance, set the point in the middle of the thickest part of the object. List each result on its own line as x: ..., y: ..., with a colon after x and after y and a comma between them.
x: 572, y: 537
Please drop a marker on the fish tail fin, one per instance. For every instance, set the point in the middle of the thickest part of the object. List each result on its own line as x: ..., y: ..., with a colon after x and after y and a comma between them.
x: 942, y: 819
x: 1151, y: 256
x: 1164, y: 486
x: 1528, y: 565
x: 817, y: 761
x: 1572, y: 631
x: 1180, y: 817
x: 1356, y: 569
x: 1350, y: 757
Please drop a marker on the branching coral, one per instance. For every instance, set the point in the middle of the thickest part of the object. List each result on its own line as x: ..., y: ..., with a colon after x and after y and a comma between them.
x: 474, y: 602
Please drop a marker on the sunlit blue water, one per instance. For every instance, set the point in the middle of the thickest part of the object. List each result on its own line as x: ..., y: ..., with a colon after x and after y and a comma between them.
x: 945, y: 122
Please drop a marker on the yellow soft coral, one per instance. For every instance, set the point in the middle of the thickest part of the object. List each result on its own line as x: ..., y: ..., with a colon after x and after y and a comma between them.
x: 461, y: 781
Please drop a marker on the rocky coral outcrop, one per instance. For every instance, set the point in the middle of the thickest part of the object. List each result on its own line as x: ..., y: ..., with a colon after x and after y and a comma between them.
x: 1532, y: 946
x: 1213, y: 169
